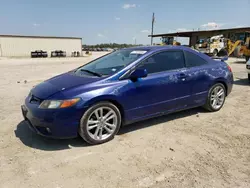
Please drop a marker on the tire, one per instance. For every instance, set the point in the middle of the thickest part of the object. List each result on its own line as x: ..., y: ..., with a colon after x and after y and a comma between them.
x: 249, y: 78
x: 208, y: 106
x: 53, y: 54
x: 222, y: 53
x: 237, y: 52
x: 89, y: 134
x: 215, y: 52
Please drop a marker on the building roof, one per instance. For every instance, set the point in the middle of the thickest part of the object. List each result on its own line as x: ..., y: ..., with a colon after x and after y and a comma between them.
x: 45, y: 37
x: 190, y: 33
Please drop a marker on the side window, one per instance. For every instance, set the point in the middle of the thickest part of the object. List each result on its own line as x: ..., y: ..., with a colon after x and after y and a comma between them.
x: 193, y: 60
x: 164, y: 61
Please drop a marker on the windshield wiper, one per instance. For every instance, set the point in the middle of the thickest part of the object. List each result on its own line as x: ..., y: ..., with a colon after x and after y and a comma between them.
x: 91, y: 72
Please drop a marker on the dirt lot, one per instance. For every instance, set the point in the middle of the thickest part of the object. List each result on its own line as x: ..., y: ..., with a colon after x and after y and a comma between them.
x: 186, y: 149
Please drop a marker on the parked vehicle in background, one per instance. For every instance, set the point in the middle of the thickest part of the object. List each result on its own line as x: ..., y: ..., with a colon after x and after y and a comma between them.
x: 58, y: 53
x: 39, y: 53
x: 213, y: 45
x: 110, y: 49
x: 123, y: 87
x: 248, y: 69
x: 75, y: 54
x: 220, y: 46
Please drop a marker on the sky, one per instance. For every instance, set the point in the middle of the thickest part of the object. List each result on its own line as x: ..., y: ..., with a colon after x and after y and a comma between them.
x: 119, y: 21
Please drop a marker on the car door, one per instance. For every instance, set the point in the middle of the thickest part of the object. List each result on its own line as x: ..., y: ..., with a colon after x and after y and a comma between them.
x: 198, y: 78
x: 164, y: 89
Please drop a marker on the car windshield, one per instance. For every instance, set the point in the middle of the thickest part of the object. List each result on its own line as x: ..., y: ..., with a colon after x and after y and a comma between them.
x: 111, y: 63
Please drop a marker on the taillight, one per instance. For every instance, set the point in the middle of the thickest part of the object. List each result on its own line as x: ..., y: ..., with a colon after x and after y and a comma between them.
x: 229, y: 68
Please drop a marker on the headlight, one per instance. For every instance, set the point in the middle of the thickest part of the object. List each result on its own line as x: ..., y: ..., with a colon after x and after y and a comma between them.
x: 53, y: 104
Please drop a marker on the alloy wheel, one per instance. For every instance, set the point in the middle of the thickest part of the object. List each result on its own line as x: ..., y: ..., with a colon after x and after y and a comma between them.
x: 217, y: 97
x: 102, y: 123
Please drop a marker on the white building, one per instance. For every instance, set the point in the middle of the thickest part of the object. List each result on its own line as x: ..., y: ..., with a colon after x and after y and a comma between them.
x: 21, y: 46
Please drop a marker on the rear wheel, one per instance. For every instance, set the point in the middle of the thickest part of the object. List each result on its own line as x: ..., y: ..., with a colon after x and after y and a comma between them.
x: 237, y: 52
x: 216, y: 98
x: 100, y: 123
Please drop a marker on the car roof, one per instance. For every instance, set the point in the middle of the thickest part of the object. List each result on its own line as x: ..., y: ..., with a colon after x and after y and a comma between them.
x: 153, y: 49
x: 156, y: 48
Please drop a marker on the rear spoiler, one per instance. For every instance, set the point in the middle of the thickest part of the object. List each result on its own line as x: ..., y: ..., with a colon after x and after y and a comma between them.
x: 220, y: 58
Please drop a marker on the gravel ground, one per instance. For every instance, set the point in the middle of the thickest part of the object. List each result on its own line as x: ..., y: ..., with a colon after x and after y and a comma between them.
x: 192, y: 148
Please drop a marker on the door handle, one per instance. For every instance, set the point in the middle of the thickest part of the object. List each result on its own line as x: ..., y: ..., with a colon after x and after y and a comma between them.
x: 182, y: 76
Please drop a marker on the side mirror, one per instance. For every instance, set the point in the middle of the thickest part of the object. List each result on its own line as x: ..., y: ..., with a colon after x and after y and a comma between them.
x: 138, y: 73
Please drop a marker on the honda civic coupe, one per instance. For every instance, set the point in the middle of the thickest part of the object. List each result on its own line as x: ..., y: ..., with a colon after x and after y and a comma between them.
x: 126, y: 86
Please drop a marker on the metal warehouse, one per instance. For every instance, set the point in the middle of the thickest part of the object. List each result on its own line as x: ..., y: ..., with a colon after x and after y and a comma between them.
x: 22, y: 46
x: 194, y: 36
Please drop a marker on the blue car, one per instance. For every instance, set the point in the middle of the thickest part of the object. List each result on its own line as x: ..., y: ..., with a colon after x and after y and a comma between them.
x: 123, y: 87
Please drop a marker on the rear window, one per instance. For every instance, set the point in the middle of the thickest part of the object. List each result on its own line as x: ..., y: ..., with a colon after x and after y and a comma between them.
x: 193, y: 60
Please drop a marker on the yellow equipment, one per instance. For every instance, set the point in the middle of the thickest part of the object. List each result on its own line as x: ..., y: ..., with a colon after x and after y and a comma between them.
x: 239, y: 48
x: 246, y: 51
x: 169, y: 41
x: 231, y: 46
x: 88, y: 53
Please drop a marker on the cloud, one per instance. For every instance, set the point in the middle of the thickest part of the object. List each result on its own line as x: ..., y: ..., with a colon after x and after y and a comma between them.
x: 100, y: 35
x: 117, y: 18
x: 36, y: 24
x: 212, y: 25
x: 127, y: 6
x: 178, y: 30
x: 181, y: 30
x: 145, y: 31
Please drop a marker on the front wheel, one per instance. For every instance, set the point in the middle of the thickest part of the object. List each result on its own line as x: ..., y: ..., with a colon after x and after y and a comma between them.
x: 100, y: 123
x: 216, y: 98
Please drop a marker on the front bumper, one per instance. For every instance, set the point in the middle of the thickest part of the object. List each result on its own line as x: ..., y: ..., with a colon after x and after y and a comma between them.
x: 59, y: 124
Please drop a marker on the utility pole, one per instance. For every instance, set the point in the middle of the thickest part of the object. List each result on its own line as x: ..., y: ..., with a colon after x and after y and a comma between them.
x: 152, y: 29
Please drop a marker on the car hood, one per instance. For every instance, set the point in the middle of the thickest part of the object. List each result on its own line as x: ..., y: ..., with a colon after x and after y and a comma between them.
x: 60, y: 83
